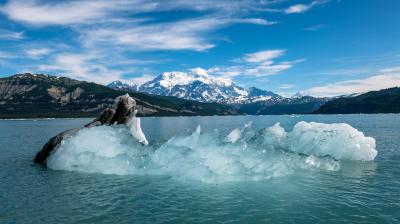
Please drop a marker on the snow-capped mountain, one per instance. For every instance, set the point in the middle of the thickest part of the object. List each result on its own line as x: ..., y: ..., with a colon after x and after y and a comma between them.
x: 196, y: 85
x: 199, y: 86
x: 254, y: 92
x: 119, y: 85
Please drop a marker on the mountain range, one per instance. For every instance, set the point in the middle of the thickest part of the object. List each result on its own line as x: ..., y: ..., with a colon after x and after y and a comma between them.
x: 41, y: 96
x: 199, y: 86
x: 38, y: 95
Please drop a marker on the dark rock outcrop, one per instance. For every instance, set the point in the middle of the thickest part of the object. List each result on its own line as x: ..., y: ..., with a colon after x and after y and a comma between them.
x: 105, y: 118
x: 52, y: 144
x: 125, y: 110
x: 126, y: 106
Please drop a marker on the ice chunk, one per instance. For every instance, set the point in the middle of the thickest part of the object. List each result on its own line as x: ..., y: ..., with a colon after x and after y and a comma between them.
x: 136, y: 129
x: 237, y: 133
x: 234, y: 135
x: 341, y: 141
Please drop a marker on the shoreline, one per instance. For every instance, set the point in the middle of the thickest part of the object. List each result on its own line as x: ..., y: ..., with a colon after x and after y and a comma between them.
x: 248, y: 115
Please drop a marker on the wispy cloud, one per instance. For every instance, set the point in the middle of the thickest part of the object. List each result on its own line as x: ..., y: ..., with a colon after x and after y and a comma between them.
x: 316, y: 27
x: 257, y: 64
x: 6, y: 55
x: 98, y: 66
x: 286, y: 86
x: 37, y: 53
x: 11, y: 35
x: 81, y: 67
x: 181, y: 35
x: 262, y: 56
x: 122, y: 27
x: 41, y: 13
x: 114, y: 23
x: 385, y: 78
x: 189, y: 34
x: 302, y: 8
x: 130, y: 27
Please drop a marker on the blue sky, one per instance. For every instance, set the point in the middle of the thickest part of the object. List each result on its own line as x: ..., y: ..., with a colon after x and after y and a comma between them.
x: 320, y: 47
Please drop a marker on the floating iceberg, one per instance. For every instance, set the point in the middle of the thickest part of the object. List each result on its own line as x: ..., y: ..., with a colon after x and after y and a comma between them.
x: 244, y: 154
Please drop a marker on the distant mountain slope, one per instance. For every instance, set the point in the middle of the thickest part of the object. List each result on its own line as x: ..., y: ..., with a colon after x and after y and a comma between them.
x: 256, y: 92
x: 280, y: 105
x: 382, y: 101
x: 36, y: 95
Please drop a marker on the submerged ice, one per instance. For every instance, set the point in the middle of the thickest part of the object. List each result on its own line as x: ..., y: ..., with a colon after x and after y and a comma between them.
x: 243, y: 154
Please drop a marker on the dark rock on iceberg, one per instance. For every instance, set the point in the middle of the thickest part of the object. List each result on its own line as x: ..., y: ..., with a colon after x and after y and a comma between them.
x: 121, y: 115
x: 52, y: 144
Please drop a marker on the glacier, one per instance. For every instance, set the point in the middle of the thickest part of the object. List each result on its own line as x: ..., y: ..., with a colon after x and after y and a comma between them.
x: 245, y: 154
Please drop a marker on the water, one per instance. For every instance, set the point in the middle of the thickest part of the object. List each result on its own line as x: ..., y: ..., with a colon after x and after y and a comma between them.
x: 359, y: 192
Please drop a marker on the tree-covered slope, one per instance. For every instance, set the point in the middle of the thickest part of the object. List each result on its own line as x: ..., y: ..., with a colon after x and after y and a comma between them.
x: 382, y: 101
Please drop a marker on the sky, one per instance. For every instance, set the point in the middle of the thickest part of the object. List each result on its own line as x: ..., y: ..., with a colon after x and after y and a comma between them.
x: 318, y: 47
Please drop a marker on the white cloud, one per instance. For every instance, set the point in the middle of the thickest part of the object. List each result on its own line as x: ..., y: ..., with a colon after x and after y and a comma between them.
x: 166, y: 36
x: 226, y: 71
x: 40, y: 13
x: 262, y: 63
x: 256, y: 21
x: 60, y: 13
x: 385, y: 78
x: 267, y: 69
x: 190, y: 34
x: 81, y: 67
x: 11, y: 35
x: 142, y: 79
x: 37, y: 53
x: 262, y: 56
x: 127, y: 26
x: 301, y: 8
x: 98, y: 66
x: 257, y: 64
x: 114, y: 23
x: 286, y: 86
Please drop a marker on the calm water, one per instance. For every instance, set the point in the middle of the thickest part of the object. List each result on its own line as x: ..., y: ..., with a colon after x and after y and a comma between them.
x: 360, y: 192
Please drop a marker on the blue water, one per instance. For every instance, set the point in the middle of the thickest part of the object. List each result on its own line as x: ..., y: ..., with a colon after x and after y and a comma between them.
x: 360, y: 192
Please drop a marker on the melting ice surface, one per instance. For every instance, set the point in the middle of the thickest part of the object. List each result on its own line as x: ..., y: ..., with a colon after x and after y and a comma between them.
x: 244, y: 154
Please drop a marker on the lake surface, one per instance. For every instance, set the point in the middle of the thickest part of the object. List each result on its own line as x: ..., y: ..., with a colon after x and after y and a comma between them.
x: 357, y: 192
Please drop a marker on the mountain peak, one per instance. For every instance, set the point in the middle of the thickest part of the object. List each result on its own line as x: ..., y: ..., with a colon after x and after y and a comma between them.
x: 119, y: 85
x: 171, y: 79
x: 199, y: 72
x: 299, y: 95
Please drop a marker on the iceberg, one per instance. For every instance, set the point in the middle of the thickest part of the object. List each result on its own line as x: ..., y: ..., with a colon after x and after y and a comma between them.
x: 244, y: 154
